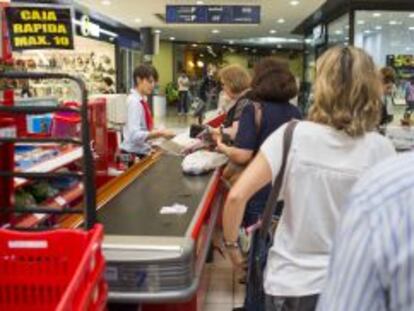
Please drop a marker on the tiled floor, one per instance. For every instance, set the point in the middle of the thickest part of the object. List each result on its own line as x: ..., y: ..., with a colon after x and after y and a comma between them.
x: 224, y: 292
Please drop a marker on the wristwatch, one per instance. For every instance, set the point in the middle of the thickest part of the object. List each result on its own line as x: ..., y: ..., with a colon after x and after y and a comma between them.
x: 231, y: 245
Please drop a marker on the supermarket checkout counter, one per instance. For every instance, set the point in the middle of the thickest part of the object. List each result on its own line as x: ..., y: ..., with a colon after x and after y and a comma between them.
x: 153, y: 257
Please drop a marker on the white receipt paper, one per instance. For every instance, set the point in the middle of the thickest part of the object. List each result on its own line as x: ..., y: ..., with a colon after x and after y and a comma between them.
x: 177, y: 209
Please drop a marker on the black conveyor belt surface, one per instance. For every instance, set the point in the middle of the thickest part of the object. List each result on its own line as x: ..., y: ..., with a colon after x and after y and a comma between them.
x: 136, y: 210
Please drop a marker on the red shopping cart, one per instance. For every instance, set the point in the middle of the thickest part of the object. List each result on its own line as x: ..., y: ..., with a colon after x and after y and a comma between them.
x: 57, y: 269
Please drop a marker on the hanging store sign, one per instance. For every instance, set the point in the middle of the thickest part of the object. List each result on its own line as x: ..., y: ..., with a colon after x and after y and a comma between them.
x: 213, y: 14
x: 34, y: 27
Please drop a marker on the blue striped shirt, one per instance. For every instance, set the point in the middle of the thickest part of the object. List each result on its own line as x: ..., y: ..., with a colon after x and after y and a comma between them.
x: 372, y: 264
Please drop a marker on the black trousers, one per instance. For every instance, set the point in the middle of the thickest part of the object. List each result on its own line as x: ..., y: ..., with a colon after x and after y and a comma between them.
x: 304, y: 303
x: 183, y: 102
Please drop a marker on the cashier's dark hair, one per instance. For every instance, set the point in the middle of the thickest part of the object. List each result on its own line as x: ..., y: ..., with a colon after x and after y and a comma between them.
x: 145, y: 71
x: 273, y: 81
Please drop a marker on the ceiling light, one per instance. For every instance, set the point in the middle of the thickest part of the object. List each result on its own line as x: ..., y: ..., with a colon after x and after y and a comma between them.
x: 411, y: 28
x: 200, y: 64
x: 194, y: 45
x: 393, y: 23
x: 200, y: 2
x: 106, y: 2
x: 281, y: 20
x: 172, y: 38
x: 215, y: 31
x: 138, y: 20
x: 378, y: 27
x: 279, y: 46
x: 157, y: 31
x: 377, y: 14
x: 367, y: 31
x: 294, y: 2
x: 338, y: 32
x: 361, y: 22
x: 411, y: 15
x: 272, y: 31
x: 231, y: 42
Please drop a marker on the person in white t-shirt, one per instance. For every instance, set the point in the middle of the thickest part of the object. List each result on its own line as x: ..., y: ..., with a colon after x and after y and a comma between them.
x: 328, y: 155
x: 183, y: 89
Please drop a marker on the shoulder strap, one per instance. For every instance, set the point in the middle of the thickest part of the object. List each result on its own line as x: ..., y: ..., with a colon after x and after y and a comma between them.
x: 274, y: 194
x: 258, y: 116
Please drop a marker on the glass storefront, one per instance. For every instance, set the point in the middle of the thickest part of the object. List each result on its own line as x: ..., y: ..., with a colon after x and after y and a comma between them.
x: 389, y: 38
x: 338, y: 31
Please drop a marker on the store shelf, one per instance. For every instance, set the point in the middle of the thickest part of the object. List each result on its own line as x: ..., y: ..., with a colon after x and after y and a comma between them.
x: 51, y: 165
x: 58, y: 202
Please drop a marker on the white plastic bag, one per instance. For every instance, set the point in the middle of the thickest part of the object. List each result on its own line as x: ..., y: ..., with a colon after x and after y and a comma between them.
x: 202, y: 161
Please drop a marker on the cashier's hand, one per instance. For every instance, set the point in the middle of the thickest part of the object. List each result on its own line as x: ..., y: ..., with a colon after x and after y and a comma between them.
x: 168, y: 134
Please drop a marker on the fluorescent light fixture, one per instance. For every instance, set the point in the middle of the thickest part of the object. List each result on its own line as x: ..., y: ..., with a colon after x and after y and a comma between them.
x: 376, y: 14
x: 294, y: 2
x: 200, y: 2
x: 281, y: 20
x: 411, y: 28
x: 215, y: 31
x: 267, y: 40
x: 339, y: 32
x: 138, y: 20
x: 157, y: 31
x: 172, y: 38
x: 272, y: 31
x: 106, y: 2
x: 361, y: 22
x: 411, y: 15
x: 393, y: 23
x: 367, y: 31
x: 378, y: 27
x: 194, y: 45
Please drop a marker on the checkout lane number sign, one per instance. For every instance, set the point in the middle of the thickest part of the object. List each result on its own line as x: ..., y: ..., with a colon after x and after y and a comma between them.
x: 32, y: 27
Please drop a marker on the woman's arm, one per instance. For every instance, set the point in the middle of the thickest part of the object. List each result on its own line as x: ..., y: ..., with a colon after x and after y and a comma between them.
x: 236, y: 155
x: 255, y: 177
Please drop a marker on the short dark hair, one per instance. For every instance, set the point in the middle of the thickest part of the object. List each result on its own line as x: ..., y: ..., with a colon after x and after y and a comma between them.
x: 145, y: 71
x: 273, y: 81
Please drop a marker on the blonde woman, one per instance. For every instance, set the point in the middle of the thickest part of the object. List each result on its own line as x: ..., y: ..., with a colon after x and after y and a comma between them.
x: 235, y: 82
x: 328, y: 154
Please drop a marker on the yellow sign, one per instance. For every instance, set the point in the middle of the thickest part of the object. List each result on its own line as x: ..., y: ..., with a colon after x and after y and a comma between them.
x: 40, y: 28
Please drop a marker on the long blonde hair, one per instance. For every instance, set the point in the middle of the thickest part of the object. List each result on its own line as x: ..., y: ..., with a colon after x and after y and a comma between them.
x: 347, y: 91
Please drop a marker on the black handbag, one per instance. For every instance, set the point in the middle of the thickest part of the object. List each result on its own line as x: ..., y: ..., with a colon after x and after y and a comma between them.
x: 263, y: 241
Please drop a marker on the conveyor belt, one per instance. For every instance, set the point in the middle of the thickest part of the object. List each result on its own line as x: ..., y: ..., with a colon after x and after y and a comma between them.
x: 136, y: 210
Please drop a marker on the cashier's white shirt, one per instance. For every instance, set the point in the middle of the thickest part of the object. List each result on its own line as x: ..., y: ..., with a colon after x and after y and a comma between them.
x: 135, y: 130
x: 322, y: 167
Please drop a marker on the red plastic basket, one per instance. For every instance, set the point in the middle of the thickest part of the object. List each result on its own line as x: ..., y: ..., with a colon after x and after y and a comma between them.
x: 56, y: 270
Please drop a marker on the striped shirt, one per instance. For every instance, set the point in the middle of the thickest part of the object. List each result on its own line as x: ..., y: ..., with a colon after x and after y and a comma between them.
x: 372, y: 265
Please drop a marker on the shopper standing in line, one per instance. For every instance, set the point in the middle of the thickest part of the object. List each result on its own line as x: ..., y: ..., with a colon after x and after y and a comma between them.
x: 328, y: 154
x: 183, y: 89
x: 409, y: 96
x: 139, y: 127
x: 388, y: 84
x: 272, y: 87
x: 372, y: 267
x: 235, y: 81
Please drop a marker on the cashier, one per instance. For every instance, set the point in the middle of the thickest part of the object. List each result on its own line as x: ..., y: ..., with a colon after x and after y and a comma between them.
x: 139, y: 127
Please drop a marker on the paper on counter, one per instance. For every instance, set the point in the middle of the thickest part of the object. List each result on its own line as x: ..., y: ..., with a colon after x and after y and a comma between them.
x: 177, y: 209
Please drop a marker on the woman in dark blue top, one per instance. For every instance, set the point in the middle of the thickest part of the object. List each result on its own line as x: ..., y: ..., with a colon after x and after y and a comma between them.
x: 273, y: 85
